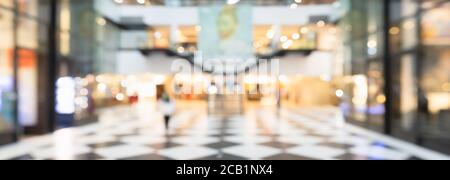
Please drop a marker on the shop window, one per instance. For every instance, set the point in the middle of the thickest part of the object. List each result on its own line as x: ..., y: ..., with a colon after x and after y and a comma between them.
x: 28, y: 30
x: 160, y: 37
x: 409, y: 93
x: 376, y: 98
x: 6, y: 74
x: 186, y: 39
x: 401, y: 9
x: 436, y: 25
x: 435, y: 79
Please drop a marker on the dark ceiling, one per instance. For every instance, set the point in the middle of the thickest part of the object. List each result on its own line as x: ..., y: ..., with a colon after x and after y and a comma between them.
x: 209, y: 2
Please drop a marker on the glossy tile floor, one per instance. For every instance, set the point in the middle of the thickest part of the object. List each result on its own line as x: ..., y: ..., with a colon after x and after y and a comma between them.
x: 137, y: 133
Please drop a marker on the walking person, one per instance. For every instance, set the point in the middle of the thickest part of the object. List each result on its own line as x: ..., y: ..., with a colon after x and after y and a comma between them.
x: 167, y: 107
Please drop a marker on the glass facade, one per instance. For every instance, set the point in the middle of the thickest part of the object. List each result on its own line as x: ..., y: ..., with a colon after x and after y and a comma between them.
x: 419, y: 53
x: 6, y: 72
x: 422, y: 49
x: 361, y: 30
x: 23, y: 55
x: 32, y: 58
x: 87, y: 40
x: 88, y: 43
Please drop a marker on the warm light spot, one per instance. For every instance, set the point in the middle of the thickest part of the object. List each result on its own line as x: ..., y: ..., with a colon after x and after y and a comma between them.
x: 339, y: 93
x: 446, y: 86
x: 394, y: 31
x: 381, y: 99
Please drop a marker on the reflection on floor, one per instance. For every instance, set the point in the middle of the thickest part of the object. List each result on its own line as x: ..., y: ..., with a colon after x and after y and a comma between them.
x: 137, y: 133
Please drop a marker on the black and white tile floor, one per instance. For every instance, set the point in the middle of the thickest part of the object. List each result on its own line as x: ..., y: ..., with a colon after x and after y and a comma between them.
x: 133, y: 133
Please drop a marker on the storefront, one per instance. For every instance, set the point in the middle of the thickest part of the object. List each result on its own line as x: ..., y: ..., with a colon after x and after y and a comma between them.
x: 87, y: 45
x: 6, y: 73
x: 398, y: 61
x: 25, y: 68
x: 34, y: 52
x: 420, y: 40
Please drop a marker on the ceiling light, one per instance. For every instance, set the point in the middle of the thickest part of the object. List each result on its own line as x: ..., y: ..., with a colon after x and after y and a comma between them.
x: 283, y: 38
x: 181, y: 49
x: 101, y: 21
x: 304, y: 30
x: 394, y: 30
x: 294, y: 5
x: 321, y: 23
x: 158, y: 35
x: 372, y: 44
x: 118, y: 1
x: 270, y: 34
x: 288, y: 44
x: 337, y: 4
x: 140, y: 1
x: 198, y: 28
x: 232, y: 2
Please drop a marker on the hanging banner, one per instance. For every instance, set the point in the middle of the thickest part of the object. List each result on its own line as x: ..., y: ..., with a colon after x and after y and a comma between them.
x: 226, y: 33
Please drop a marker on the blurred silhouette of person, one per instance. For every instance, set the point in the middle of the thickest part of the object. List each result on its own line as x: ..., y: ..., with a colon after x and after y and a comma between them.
x: 167, y: 107
x: 423, y: 103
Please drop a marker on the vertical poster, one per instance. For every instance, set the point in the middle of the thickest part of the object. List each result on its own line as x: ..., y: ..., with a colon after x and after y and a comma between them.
x: 226, y: 33
x: 27, y: 87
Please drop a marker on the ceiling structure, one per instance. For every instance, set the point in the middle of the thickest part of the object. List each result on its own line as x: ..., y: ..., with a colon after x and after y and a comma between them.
x: 210, y: 2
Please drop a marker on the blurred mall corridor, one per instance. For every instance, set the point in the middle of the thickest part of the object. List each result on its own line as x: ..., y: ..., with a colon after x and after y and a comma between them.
x: 137, y: 133
x: 250, y: 79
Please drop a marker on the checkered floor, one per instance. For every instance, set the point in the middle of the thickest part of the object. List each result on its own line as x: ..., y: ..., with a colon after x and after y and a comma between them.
x: 134, y: 133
